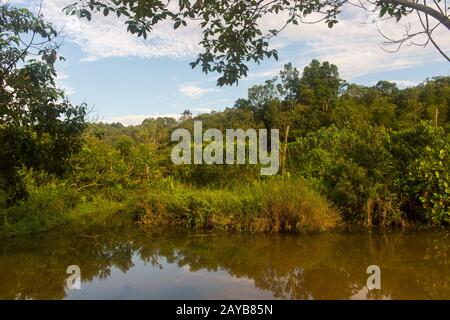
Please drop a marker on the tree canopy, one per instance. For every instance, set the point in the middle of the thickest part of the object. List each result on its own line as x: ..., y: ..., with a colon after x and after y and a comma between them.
x: 232, y: 30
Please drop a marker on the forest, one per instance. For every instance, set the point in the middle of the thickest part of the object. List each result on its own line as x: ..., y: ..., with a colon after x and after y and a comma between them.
x: 351, y: 155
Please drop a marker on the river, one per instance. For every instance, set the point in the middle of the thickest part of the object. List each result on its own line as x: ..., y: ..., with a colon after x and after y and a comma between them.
x: 136, y: 263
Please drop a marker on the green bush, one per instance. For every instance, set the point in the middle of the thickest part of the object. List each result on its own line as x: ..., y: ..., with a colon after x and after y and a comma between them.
x: 351, y: 166
x: 428, y: 180
x: 46, y: 206
x: 379, y: 176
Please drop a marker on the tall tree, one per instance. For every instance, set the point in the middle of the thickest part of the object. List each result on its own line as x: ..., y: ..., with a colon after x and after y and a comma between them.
x: 39, y: 127
x: 320, y: 85
x: 290, y: 82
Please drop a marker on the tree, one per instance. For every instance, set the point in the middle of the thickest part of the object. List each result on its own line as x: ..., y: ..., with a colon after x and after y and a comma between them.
x: 321, y: 83
x: 290, y: 82
x: 232, y: 31
x: 386, y: 87
x: 259, y: 95
x: 186, y: 115
x: 39, y: 127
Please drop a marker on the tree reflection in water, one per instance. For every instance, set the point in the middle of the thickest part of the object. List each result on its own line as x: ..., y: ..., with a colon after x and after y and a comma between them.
x: 318, y: 266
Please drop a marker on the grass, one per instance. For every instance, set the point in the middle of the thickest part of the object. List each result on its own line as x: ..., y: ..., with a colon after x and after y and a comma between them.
x: 269, y: 206
x: 274, y: 205
x: 51, y: 205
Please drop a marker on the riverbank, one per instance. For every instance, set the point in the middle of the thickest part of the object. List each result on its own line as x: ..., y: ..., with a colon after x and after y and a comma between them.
x: 275, y: 205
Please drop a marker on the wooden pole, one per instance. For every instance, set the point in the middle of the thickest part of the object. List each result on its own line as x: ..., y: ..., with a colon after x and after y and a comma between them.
x: 283, y: 160
x: 436, y: 117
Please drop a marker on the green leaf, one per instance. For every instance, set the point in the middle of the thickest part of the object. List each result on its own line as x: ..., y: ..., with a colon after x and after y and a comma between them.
x: 275, y: 55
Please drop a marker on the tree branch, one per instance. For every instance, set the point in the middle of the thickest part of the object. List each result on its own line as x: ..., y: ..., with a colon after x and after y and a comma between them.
x: 442, y: 18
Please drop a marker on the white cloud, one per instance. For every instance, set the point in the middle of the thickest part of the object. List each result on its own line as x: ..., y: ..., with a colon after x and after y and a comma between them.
x: 62, y: 76
x: 61, y: 83
x: 17, y: 1
x: 106, y: 37
x: 193, y: 91
x: 69, y: 91
x: 202, y: 110
x: 400, y: 83
x: 404, y: 83
x: 354, y: 44
x: 136, y: 119
x: 267, y: 74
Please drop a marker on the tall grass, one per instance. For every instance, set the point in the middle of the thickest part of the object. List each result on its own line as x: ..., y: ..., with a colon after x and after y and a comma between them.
x: 52, y: 204
x: 273, y: 205
x: 45, y: 208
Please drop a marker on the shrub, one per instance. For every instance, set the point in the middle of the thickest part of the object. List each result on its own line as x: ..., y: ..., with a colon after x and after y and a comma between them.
x: 46, y: 207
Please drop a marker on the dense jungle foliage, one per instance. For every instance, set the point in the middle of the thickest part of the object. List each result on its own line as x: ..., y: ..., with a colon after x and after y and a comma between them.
x: 355, y: 155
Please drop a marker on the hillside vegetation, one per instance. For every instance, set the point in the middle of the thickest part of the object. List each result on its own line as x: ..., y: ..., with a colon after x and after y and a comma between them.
x: 356, y: 155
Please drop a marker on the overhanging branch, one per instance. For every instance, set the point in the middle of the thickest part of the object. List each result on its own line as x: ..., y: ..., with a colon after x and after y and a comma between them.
x: 442, y: 18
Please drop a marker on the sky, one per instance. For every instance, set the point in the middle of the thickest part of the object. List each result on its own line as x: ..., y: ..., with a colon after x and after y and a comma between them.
x: 126, y: 79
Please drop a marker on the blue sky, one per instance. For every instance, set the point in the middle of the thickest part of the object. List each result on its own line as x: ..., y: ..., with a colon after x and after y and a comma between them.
x: 127, y: 79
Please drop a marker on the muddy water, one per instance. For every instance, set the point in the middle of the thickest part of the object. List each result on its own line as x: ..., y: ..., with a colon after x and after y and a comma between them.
x: 133, y: 263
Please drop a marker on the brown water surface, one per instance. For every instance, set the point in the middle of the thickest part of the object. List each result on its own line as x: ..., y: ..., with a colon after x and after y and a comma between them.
x: 149, y: 264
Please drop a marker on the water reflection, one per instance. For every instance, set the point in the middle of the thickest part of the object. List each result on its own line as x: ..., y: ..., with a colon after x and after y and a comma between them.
x: 148, y: 264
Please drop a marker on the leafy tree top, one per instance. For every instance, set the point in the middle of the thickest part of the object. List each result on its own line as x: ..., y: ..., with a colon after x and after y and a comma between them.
x: 232, y: 30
